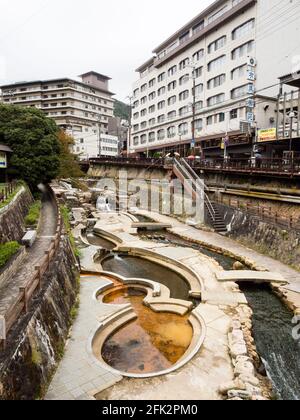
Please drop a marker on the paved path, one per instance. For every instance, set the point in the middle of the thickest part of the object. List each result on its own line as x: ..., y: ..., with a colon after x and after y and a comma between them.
x: 47, y: 228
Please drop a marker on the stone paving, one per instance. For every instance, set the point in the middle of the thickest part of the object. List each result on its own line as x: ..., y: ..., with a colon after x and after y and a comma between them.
x: 79, y: 376
x: 47, y: 228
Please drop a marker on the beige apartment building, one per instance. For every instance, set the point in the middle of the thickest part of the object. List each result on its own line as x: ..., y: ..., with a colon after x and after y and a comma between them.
x: 215, y: 81
x: 81, y: 107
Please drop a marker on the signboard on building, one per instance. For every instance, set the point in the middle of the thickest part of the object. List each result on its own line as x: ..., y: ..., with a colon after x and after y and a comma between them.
x: 269, y: 134
x: 3, y: 160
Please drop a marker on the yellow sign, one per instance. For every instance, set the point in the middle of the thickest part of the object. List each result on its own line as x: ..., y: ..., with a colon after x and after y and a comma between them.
x: 3, y: 160
x: 269, y: 134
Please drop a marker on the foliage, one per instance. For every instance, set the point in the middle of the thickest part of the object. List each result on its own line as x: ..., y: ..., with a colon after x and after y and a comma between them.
x: 34, y: 140
x: 68, y: 162
x: 8, y: 250
x: 66, y: 218
x: 33, y: 215
x: 122, y: 110
x: 11, y: 196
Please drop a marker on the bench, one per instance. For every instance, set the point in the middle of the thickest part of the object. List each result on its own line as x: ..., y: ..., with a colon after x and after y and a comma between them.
x: 29, y: 238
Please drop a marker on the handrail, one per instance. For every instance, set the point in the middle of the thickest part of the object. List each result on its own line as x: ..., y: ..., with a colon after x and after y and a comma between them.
x: 22, y: 301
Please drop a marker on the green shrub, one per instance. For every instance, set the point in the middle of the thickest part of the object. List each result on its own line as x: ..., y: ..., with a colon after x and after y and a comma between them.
x: 33, y: 215
x: 8, y: 250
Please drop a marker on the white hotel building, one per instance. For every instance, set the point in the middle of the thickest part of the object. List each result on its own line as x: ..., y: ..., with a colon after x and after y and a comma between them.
x: 81, y: 107
x: 231, y: 51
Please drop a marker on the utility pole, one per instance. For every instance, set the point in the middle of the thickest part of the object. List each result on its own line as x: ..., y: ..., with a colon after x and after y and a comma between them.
x: 99, y: 136
x: 194, y: 110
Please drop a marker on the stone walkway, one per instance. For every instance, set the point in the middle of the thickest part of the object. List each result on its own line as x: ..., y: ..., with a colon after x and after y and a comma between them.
x: 79, y: 376
x: 47, y: 228
x: 228, y: 245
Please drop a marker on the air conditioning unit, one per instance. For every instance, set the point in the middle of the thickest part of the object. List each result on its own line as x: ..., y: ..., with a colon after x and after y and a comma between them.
x: 252, y: 61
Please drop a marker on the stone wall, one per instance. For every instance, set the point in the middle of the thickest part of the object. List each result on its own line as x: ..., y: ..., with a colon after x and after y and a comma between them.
x: 12, y: 266
x: 12, y: 217
x: 266, y: 238
x: 113, y: 171
x: 36, y: 343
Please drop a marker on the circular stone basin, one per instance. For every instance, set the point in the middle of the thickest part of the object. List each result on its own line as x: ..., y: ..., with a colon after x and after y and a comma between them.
x: 152, y: 343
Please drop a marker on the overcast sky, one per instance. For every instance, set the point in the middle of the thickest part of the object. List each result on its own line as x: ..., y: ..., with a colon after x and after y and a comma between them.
x: 42, y: 39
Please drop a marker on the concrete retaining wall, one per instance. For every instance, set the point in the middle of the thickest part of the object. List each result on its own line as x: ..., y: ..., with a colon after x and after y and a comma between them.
x: 36, y: 343
x: 266, y: 238
x: 12, y: 217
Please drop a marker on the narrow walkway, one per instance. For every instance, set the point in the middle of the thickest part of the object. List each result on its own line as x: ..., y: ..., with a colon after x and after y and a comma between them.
x: 47, y: 228
x: 228, y: 245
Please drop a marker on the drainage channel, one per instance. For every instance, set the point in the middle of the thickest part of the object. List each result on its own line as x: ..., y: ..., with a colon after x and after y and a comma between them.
x: 272, y: 324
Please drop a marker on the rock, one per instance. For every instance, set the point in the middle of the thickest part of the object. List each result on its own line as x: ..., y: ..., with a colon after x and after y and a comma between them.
x: 244, y: 368
x: 235, y: 399
x: 258, y: 398
x: 248, y: 379
x: 238, y: 266
x: 233, y: 385
x: 244, y: 395
x: 236, y: 325
x: 253, y: 390
x: 235, y: 337
x: 238, y: 349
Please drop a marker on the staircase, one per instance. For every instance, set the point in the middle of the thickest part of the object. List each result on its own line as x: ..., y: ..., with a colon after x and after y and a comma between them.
x: 183, y: 172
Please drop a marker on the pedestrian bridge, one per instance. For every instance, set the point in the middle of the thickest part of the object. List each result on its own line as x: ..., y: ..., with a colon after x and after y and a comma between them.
x: 251, y: 276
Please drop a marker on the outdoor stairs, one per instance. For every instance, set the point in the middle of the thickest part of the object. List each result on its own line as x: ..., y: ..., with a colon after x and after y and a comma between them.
x: 184, y: 171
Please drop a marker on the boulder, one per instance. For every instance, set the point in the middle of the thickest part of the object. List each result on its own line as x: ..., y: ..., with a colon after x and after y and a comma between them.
x: 238, y: 266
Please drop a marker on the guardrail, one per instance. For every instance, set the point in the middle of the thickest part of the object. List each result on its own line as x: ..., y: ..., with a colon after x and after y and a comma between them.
x: 284, y: 167
x: 22, y: 301
x: 264, y: 213
x: 7, y: 190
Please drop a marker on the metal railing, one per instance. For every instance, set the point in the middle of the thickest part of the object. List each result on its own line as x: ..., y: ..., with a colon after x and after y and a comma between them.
x: 7, y: 190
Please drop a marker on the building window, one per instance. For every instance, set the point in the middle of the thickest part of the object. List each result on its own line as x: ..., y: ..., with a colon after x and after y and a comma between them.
x: 171, y: 115
x: 172, y: 100
x: 216, y: 45
x: 172, y: 86
x: 198, y: 72
x: 184, y: 63
x: 239, y: 91
x: 151, y: 122
x: 198, y: 105
x: 239, y: 72
x: 198, y: 55
x: 215, y: 100
x: 183, y: 129
x: 151, y: 83
x: 216, y: 81
x: 217, y: 63
x: 144, y: 100
x: 143, y: 112
x: 144, y: 125
x: 234, y: 114
x: 209, y: 120
x: 172, y: 70
x: 199, y: 124
x: 161, y: 91
x: 161, y: 77
x: 135, y: 104
x: 151, y: 109
x: 151, y: 136
x: 221, y: 117
x: 198, y: 89
x: 197, y: 28
x: 152, y: 96
x: 143, y: 139
x: 217, y: 14
x: 161, y: 134
x: 242, y: 50
x: 136, y: 115
x: 184, y: 95
x: 136, y: 127
x: 136, y: 92
x: 184, y: 79
x: 161, y: 104
x: 161, y: 118
x: 143, y: 87
x: 184, y: 110
x: 243, y: 29
x: 171, y: 132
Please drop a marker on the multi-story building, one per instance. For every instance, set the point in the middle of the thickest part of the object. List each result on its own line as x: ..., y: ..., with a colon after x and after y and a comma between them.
x: 119, y: 127
x: 205, y: 86
x: 82, y: 108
